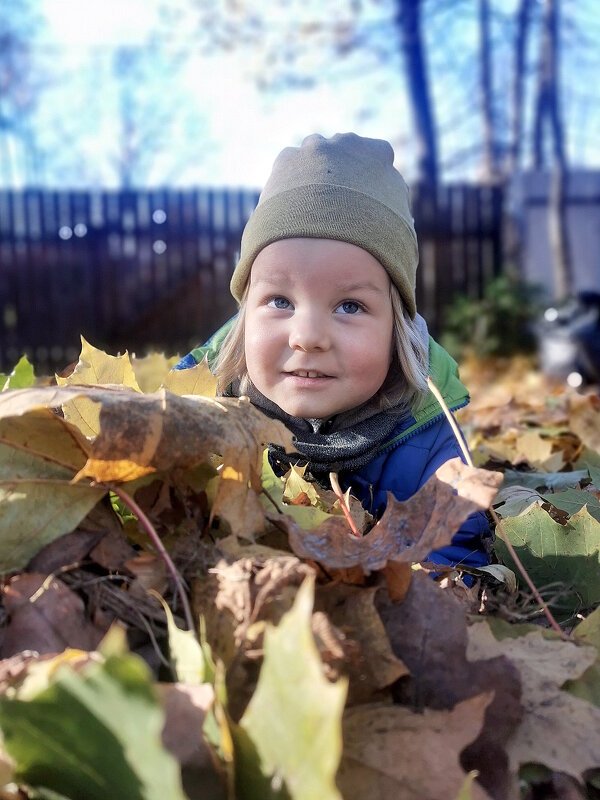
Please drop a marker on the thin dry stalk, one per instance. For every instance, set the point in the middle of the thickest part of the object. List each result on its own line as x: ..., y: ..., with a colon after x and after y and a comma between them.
x: 337, y: 490
x: 150, y: 530
x: 435, y: 391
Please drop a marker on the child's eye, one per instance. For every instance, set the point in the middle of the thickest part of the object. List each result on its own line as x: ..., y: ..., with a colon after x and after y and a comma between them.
x: 280, y: 303
x: 348, y: 307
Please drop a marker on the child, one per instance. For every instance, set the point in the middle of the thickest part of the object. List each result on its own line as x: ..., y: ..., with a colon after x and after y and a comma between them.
x: 327, y: 338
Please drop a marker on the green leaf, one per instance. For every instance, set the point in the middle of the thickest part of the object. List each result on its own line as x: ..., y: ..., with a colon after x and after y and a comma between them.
x: 538, y: 480
x: 93, y: 735
x: 551, y: 553
x: 307, y: 517
x: 294, y: 716
x: 595, y: 475
x: 22, y: 376
x: 191, y: 659
x: 573, y: 501
x: 35, y: 512
x: 38, y: 501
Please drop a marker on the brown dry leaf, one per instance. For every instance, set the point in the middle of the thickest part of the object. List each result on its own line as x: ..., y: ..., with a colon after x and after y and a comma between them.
x: 409, y: 530
x: 70, y: 549
x: 112, y: 551
x: 237, y: 504
x: 150, y: 574
x: 397, y: 579
x: 532, y: 449
x: 161, y: 431
x: 538, y: 452
x: 45, y: 615
x: 73, y: 547
x: 352, y: 610
x: 428, y: 632
x: 254, y: 589
x: 186, y: 707
x: 391, y: 753
x: 557, y: 729
x: 584, y: 419
x: 219, y: 626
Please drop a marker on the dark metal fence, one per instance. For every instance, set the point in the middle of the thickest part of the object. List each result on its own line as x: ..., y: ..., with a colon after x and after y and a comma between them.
x: 150, y: 269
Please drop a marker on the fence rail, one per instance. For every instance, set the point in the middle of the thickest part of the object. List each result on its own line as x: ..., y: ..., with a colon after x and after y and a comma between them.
x: 151, y: 268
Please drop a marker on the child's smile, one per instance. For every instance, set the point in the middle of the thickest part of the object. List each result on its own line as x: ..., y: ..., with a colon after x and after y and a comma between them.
x: 318, y: 326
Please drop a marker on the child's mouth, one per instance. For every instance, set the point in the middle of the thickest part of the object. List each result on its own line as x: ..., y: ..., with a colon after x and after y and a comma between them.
x: 307, y: 373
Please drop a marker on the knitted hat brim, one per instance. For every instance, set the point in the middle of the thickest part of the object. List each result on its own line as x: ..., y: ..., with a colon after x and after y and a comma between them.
x: 324, y: 211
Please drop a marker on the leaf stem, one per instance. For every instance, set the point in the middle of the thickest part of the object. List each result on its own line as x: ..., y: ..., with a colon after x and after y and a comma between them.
x: 337, y: 490
x: 150, y: 530
x: 436, y: 393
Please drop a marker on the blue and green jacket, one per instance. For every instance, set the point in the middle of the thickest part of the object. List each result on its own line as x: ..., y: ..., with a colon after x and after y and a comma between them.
x: 420, y: 443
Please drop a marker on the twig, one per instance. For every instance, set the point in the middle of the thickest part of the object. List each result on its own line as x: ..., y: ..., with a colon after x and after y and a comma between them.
x: 335, y: 485
x: 149, y: 528
x: 435, y: 391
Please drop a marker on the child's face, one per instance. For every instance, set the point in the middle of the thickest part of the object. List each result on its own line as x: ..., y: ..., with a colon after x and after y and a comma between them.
x: 318, y: 327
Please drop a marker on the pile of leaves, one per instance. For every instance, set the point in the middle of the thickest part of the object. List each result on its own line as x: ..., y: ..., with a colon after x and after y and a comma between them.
x: 317, y: 663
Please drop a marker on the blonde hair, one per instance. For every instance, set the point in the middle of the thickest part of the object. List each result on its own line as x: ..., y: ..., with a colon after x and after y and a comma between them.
x: 404, y: 387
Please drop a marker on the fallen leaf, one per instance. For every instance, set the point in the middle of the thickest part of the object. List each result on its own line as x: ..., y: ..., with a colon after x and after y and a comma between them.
x: 35, y: 511
x: 306, y: 516
x: 514, y: 500
x: 542, y: 480
x: 185, y: 710
x: 409, y: 530
x: 297, y: 490
x: 294, y: 716
x: 584, y: 419
x: 69, y: 549
x: 352, y: 610
x: 573, y: 501
x: 93, y: 734
x: 39, y: 438
x: 150, y: 574
x: 428, y: 633
x: 553, y: 553
x: 556, y: 729
x: 112, y: 551
x: 165, y: 432
x: 197, y: 380
x: 95, y: 367
x: 533, y: 449
x: 391, y: 753
x: 151, y: 371
x: 38, y: 503
x: 46, y: 616
x: 21, y: 377
x: 251, y: 589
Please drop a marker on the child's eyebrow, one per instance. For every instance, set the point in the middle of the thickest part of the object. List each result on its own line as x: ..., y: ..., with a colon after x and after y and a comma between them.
x: 362, y: 286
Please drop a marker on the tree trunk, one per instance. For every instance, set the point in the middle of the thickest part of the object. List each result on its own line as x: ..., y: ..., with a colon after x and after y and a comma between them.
x: 548, y: 118
x: 524, y: 14
x: 490, y: 171
x: 408, y: 20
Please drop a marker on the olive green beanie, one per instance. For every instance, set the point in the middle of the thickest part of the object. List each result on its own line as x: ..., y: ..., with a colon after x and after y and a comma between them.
x: 343, y: 188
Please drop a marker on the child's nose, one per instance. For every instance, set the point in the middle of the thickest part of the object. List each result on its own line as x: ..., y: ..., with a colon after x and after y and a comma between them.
x: 308, y: 331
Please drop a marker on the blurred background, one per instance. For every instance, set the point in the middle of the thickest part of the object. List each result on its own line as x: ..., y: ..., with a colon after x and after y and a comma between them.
x: 135, y: 137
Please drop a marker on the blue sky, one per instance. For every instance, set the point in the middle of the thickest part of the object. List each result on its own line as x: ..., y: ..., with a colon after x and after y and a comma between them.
x: 209, y: 124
